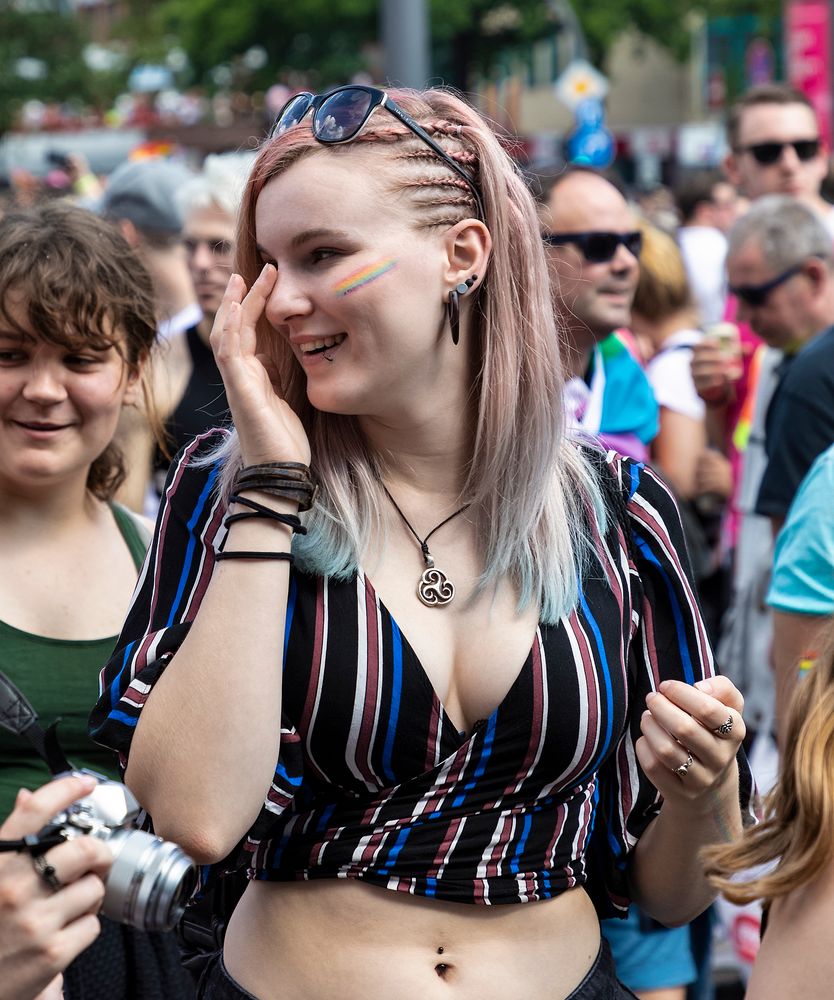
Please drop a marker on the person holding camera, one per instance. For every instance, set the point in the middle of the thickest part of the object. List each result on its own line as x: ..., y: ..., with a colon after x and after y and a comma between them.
x: 48, y: 909
x: 76, y: 327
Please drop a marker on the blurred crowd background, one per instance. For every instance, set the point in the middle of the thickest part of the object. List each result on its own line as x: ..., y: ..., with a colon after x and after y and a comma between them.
x: 644, y: 84
x: 91, y: 90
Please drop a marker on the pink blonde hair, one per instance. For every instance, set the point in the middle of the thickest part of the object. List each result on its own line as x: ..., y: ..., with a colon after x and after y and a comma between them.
x: 529, y: 487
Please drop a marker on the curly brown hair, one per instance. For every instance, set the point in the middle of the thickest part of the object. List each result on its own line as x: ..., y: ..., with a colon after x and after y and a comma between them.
x: 81, y: 285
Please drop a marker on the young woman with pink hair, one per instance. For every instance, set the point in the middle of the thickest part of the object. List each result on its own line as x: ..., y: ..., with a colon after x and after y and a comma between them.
x: 402, y: 649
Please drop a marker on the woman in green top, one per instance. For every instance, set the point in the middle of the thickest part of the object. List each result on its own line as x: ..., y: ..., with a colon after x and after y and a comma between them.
x: 77, y: 325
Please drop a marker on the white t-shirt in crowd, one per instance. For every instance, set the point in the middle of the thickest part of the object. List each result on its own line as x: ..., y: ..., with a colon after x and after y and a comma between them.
x: 704, y: 251
x: 670, y: 375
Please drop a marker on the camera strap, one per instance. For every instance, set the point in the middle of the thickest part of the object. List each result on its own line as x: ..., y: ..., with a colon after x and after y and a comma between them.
x: 19, y: 718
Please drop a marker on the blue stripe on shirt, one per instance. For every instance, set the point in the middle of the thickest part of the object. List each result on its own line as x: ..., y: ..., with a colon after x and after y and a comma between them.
x: 192, y: 545
x: 396, y: 694
x: 128, y: 720
x: 606, y: 676
x: 677, y: 611
x: 115, y: 687
x: 393, y: 854
x: 522, y: 843
x: 292, y: 597
x: 480, y: 767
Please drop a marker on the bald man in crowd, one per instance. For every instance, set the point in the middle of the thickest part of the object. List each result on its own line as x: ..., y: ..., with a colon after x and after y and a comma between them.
x: 593, y: 246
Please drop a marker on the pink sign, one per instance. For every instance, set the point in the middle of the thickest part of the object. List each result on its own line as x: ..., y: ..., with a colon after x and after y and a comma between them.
x: 808, y: 49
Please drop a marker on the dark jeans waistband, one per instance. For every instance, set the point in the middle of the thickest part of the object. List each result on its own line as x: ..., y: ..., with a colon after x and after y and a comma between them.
x: 216, y: 983
x: 600, y: 983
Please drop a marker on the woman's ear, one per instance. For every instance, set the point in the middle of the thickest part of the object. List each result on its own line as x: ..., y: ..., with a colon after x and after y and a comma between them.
x: 468, y: 245
x: 135, y: 379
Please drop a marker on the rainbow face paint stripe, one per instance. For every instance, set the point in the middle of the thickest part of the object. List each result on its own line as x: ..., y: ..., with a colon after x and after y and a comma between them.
x: 364, y: 277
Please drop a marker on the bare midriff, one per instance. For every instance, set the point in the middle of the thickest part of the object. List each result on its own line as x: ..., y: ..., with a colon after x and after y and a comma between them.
x: 342, y: 938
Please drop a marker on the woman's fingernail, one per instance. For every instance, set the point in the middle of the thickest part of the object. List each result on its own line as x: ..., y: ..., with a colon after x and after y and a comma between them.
x: 650, y: 697
x: 705, y: 685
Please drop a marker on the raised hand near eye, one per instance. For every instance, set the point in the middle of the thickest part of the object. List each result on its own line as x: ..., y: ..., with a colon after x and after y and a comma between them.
x: 268, y: 429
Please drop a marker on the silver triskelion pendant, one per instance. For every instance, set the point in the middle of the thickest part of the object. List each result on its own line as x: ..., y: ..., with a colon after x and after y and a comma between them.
x: 434, y: 589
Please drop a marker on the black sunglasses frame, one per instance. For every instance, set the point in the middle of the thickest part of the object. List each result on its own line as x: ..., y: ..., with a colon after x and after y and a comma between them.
x: 757, y: 295
x: 633, y: 242
x: 768, y: 153
x: 378, y: 99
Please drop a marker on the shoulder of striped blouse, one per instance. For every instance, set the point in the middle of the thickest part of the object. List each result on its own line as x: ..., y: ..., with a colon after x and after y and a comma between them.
x: 201, y: 453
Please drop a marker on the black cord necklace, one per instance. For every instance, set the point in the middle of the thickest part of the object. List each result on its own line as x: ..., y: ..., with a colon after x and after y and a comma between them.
x: 434, y: 588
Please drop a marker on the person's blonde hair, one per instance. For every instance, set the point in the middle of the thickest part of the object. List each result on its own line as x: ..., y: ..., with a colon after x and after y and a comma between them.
x: 663, y: 286
x: 528, y: 486
x: 798, y: 829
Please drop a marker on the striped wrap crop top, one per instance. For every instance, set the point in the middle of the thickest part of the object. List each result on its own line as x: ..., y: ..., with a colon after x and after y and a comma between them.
x: 374, y: 781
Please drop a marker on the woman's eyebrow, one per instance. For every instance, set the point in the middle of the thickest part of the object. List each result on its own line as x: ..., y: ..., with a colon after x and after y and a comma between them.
x: 305, y: 236
x: 316, y: 234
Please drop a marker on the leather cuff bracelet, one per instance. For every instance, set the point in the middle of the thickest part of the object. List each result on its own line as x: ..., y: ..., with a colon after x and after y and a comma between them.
x: 290, y: 480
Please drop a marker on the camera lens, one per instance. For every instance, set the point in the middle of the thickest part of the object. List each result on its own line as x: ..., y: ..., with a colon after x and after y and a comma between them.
x: 150, y: 882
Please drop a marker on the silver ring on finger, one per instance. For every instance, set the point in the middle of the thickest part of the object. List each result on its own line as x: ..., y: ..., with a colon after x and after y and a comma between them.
x: 725, y: 728
x: 46, y: 871
x: 683, y: 769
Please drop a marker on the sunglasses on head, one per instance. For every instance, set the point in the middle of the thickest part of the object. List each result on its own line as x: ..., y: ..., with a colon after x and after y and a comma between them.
x: 767, y: 153
x: 598, y: 247
x: 341, y: 114
x: 757, y: 295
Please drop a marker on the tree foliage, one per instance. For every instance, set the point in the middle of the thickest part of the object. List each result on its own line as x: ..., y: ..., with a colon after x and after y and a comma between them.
x: 322, y: 42
x: 327, y: 41
x: 665, y: 21
x: 52, y: 36
x: 55, y: 40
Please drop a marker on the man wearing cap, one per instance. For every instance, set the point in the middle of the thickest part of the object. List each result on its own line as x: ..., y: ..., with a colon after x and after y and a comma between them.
x: 141, y: 198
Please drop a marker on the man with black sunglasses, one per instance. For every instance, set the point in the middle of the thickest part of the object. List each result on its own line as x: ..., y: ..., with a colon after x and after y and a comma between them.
x: 593, y: 246
x: 775, y: 147
x: 781, y: 270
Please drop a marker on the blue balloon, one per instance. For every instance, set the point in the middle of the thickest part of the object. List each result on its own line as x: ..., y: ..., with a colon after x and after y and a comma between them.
x: 590, y: 144
x: 589, y: 113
